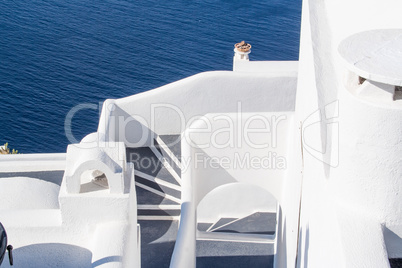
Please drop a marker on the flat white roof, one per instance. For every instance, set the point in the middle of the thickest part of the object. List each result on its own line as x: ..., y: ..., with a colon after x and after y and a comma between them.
x: 375, y: 55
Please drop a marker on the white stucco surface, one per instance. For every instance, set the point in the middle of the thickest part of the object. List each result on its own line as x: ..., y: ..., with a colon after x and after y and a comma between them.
x: 234, y: 200
x: 234, y: 160
x: 49, y: 227
x: 49, y: 255
x: 94, y: 155
x: 339, y: 192
x: 375, y: 55
x: 172, y: 108
x: 32, y: 162
x: 255, y: 152
x: 28, y: 193
x: 268, y: 67
x: 356, y: 167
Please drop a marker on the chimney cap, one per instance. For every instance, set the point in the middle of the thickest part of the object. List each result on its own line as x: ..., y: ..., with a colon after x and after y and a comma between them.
x: 243, y: 46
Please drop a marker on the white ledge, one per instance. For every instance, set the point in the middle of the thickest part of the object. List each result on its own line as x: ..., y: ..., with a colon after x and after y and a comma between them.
x: 32, y: 162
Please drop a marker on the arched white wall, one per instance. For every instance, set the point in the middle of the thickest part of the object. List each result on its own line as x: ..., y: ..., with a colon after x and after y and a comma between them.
x: 235, y: 200
x: 108, y: 157
x: 215, y: 160
x: 212, y: 165
x: 171, y: 108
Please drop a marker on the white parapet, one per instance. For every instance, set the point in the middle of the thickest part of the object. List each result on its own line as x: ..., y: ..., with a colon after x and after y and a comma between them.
x: 168, y: 110
x: 32, y: 162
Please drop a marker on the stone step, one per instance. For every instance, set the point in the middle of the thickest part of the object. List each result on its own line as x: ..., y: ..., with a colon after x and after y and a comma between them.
x: 157, y: 179
x: 174, y: 144
x: 203, y: 226
x: 395, y: 263
x: 221, y: 222
x: 168, y: 155
x: 168, y: 165
x: 145, y: 161
x: 159, y: 187
x: 234, y: 254
x: 162, y: 207
x: 158, y: 218
x: 145, y: 197
x: 147, y: 212
x: 157, y: 211
x: 157, y: 242
x: 257, y: 223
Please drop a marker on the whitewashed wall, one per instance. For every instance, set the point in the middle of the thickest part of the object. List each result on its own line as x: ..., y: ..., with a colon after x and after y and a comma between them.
x: 351, y: 190
x: 238, y: 172
x: 169, y: 109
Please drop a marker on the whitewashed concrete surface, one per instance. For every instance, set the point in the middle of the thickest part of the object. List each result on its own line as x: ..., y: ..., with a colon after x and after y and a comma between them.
x: 358, y: 161
x: 269, y: 67
x: 50, y: 228
x: 28, y: 193
x: 375, y: 55
x: 215, y: 156
x: 171, y: 108
x: 32, y: 162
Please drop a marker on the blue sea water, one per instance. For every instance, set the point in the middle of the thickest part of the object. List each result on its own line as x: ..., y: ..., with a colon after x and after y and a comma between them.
x: 57, y: 54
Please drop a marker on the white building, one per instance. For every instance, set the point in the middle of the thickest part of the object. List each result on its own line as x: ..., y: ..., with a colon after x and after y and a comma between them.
x: 273, y: 164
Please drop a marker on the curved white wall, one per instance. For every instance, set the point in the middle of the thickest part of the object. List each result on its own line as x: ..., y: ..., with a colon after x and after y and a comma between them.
x: 355, y: 185
x: 236, y: 200
x: 171, y: 108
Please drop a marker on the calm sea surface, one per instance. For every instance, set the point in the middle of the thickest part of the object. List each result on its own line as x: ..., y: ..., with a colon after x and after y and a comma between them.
x: 56, y: 54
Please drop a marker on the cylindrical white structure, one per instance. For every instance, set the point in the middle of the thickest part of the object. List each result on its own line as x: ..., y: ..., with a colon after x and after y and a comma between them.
x: 239, y: 55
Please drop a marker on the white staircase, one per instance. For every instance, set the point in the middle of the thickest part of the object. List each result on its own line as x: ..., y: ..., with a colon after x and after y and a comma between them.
x: 157, y: 178
x: 227, y: 242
